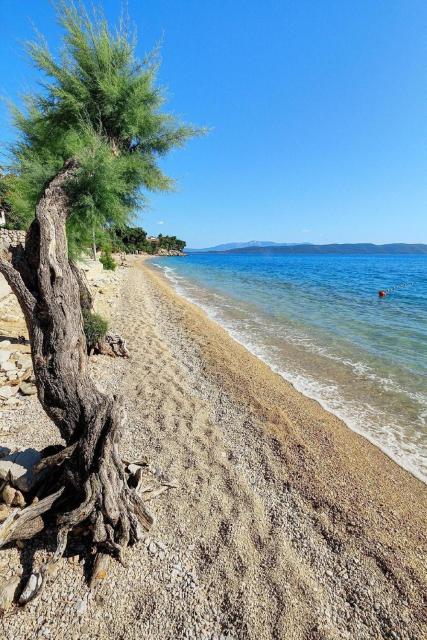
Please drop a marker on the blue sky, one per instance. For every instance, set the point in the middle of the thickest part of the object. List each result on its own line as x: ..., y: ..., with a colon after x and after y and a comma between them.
x: 317, y: 113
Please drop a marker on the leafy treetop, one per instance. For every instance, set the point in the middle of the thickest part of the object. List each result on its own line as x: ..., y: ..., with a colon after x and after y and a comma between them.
x: 101, y: 105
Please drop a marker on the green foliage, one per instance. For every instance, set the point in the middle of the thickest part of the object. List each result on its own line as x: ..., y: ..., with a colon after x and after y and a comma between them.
x: 95, y: 328
x: 107, y: 260
x: 132, y: 239
x: 7, y: 182
x: 129, y: 239
x: 171, y: 243
x: 100, y: 105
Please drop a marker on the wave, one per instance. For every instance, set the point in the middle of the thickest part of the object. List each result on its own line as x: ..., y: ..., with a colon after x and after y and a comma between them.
x: 364, y: 418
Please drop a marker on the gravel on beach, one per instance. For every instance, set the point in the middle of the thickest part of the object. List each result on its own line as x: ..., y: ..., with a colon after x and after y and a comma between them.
x: 284, y: 523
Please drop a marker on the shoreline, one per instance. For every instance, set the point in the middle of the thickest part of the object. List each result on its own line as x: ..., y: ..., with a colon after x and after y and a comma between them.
x: 372, y: 504
x: 401, y: 462
x: 283, y: 524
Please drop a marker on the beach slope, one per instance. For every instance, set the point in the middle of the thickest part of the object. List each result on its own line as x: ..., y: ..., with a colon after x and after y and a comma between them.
x: 284, y: 524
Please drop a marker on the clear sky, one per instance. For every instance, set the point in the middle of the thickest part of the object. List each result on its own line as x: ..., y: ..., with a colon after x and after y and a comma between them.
x: 317, y: 112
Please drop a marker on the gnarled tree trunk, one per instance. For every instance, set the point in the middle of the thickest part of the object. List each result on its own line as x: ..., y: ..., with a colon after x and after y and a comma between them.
x: 88, y: 477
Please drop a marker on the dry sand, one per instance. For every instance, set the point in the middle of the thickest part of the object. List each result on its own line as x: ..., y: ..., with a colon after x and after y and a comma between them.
x: 285, y: 525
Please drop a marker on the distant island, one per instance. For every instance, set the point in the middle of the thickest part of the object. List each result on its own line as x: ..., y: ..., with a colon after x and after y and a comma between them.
x: 364, y: 248
x: 243, y: 245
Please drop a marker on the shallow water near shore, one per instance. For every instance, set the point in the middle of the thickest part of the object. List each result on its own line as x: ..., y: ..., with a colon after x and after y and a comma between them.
x: 318, y: 321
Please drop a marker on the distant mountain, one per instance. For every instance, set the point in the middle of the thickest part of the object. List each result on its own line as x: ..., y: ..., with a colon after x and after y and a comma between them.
x: 340, y: 249
x: 230, y: 246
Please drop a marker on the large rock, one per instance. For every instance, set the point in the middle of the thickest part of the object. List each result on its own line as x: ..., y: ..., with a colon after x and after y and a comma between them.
x: 7, y: 457
x: 8, y: 392
x: 17, y: 467
x: 21, y: 473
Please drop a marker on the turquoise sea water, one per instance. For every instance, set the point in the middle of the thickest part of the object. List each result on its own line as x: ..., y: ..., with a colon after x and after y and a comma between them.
x: 318, y: 321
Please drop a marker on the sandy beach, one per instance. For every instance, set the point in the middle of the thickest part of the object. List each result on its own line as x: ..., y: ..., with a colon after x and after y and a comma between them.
x: 285, y: 524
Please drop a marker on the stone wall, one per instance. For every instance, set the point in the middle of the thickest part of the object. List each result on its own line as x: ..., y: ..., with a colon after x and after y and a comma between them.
x: 12, y: 237
x: 9, y: 237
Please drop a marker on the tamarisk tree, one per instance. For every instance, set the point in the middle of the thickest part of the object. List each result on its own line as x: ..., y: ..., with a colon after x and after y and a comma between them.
x: 88, y: 147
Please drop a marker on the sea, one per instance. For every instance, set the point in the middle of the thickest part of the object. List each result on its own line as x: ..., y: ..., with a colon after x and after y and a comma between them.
x: 318, y: 321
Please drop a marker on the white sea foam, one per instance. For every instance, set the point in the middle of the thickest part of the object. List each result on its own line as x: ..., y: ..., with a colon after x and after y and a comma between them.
x: 365, y: 420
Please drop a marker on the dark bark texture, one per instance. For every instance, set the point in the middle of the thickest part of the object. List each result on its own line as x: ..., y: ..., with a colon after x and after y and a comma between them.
x: 88, y: 475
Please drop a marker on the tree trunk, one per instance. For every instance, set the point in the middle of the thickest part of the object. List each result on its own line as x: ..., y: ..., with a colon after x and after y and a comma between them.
x: 88, y: 474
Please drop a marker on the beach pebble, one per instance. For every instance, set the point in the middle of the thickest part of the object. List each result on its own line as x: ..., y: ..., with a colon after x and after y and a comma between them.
x: 8, y: 366
x: 28, y: 389
x: 32, y: 587
x: 8, y: 495
x: 4, y: 512
x: 7, y: 592
x: 8, y: 392
x: 4, y: 355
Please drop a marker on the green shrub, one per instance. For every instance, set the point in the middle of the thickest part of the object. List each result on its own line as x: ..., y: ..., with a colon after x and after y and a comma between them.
x: 107, y: 260
x: 95, y: 328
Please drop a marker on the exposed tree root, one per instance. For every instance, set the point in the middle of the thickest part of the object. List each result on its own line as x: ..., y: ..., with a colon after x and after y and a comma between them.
x: 112, y: 345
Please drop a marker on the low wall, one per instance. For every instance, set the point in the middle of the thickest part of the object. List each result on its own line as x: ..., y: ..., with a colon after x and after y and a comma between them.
x: 9, y: 237
x: 13, y: 237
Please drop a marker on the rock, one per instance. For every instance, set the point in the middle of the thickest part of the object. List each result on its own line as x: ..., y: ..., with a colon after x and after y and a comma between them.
x: 4, y: 355
x: 7, y: 392
x: 152, y: 548
x: 5, y: 343
x: 4, y: 512
x: 133, y: 469
x: 7, y: 592
x: 8, y: 366
x: 12, y: 402
x: 81, y: 605
x: 24, y: 362
x: 21, y: 472
x: 19, y: 500
x: 8, y: 495
x: 52, y: 569
x: 27, y: 388
x: 32, y: 587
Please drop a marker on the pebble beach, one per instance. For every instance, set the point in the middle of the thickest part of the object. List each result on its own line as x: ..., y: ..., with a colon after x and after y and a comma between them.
x: 284, y: 523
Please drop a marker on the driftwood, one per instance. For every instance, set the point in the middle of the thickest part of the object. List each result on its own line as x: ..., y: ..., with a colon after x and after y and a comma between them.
x: 112, y: 345
x: 88, y: 475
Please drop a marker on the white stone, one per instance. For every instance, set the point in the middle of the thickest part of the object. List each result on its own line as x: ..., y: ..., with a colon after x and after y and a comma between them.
x: 133, y: 469
x: 81, y: 605
x: 7, y: 456
x: 4, y: 355
x: 5, y: 343
x: 24, y: 362
x: 32, y: 587
x: 8, y: 366
x: 8, y: 392
x: 28, y: 389
x: 21, y: 472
